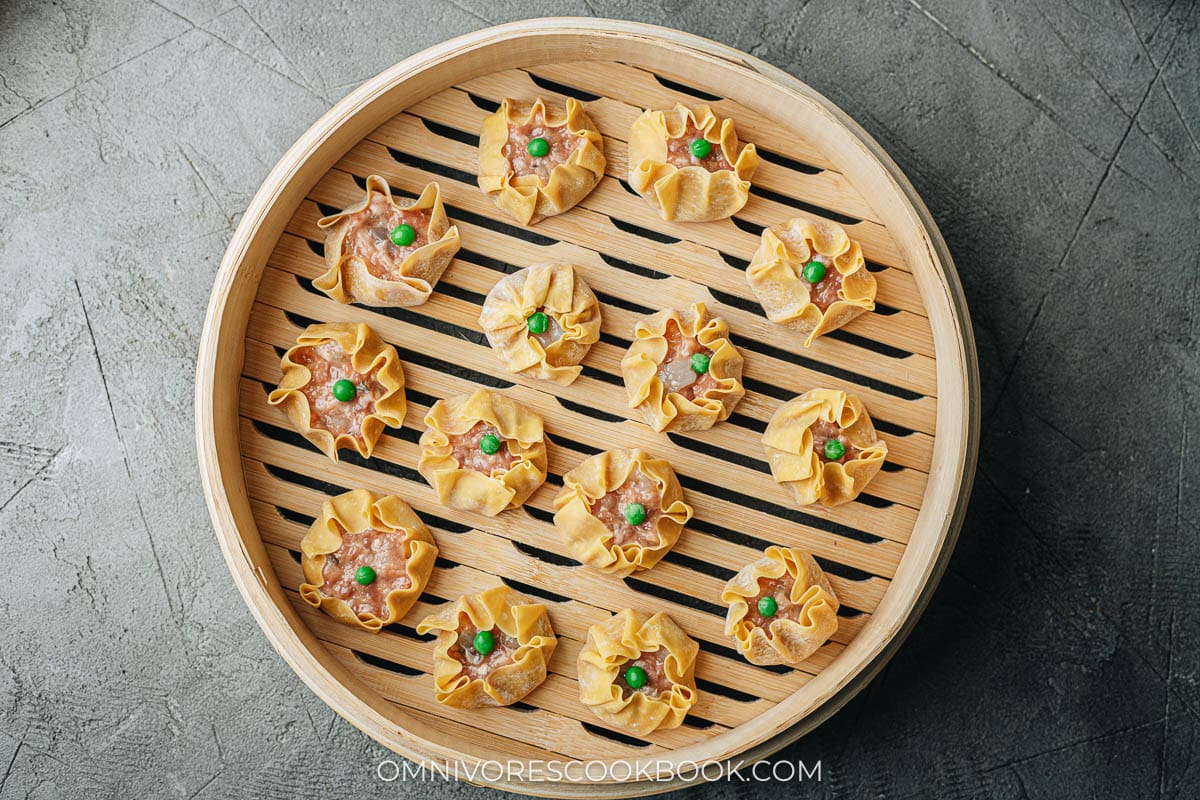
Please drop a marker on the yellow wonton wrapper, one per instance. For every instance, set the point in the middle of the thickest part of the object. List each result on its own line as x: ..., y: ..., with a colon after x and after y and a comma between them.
x: 515, y: 615
x: 790, y: 641
x: 673, y: 411
x: 776, y: 276
x: 468, y: 489
x: 690, y: 194
x: 347, y: 279
x: 591, y: 541
x: 354, y: 512
x: 366, y: 350
x: 621, y: 638
x: 527, y: 198
x: 559, y: 291
x: 788, y: 442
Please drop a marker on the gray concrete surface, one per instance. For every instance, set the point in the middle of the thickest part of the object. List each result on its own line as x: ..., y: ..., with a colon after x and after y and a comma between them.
x: 1058, y: 145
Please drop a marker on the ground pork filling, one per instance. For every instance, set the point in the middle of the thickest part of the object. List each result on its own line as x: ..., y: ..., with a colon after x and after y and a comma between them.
x: 824, y: 292
x: 552, y: 333
x: 328, y: 363
x: 676, y: 371
x: 822, y: 432
x: 652, y: 662
x: 476, y: 665
x: 610, y: 509
x: 466, y: 451
x: 781, y: 589
x: 679, y: 152
x: 369, y: 236
x: 562, y: 143
x: 382, y: 551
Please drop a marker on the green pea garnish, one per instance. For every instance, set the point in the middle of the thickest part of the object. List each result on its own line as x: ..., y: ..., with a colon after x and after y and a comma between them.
x: 635, y: 513
x: 700, y: 363
x: 403, y: 235
x: 635, y: 677
x: 344, y: 390
x: 834, y: 449
x: 538, y: 323
x: 538, y: 148
x: 767, y: 606
x: 484, y: 643
x: 365, y: 575
x: 701, y: 148
x: 490, y: 444
x: 814, y: 272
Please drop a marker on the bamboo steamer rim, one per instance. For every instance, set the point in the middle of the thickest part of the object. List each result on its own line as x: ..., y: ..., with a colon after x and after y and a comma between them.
x: 526, y: 43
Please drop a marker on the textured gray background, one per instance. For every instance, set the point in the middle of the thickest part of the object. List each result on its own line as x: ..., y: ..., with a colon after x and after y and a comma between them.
x: 1057, y: 145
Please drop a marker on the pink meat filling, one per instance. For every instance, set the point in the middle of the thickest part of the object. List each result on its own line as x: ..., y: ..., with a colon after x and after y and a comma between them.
x: 822, y: 432
x: 369, y: 236
x: 824, y: 293
x: 465, y: 450
x: 676, y: 371
x: 476, y: 665
x: 781, y: 589
x: 679, y: 152
x: 329, y: 363
x: 383, y: 552
x: 657, y: 682
x: 561, y: 141
x: 610, y: 509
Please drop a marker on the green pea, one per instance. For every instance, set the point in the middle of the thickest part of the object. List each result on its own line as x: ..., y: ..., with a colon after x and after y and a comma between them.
x: 490, y: 444
x: 538, y: 148
x: 538, y: 323
x: 635, y: 513
x: 635, y: 677
x: 365, y: 575
x: 814, y: 272
x: 484, y: 643
x: 701, y: 148
x: 834, y: 449
x: 403, y: 235
x: 767, y: 606
x: 344, y: 390
x: 700, y: 363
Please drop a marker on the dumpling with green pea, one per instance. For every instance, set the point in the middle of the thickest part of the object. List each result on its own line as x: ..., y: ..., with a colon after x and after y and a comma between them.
x: 681, y: 371
x: 637, y: 672
x: 366, y: 560
x: 782, y: 608
x: 811, y: 276
x: 341, y: 385
x: 538, y: 159
x: 689, y: 165
x: 492, y: 648
x: 385, y: 252
x: 541, y: 321
x: 621, y: 511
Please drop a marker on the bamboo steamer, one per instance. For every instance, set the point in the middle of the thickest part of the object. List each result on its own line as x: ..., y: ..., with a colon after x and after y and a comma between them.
x: 913, y: 363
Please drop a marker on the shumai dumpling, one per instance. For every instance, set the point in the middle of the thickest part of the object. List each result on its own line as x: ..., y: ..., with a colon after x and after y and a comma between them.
x: 688, y: 164
x: 341, y: 385
x: 539, y: 159
x: 366, y: 560
x: 621, y: 511
x: 681, y: 370
x: 822, y: 446
x: 810, y: 276
x: 492, y: 648
x: 384, y: 253
x: 638, y: 673
x: 781, y: 608
x: 482, y: 452
x: 541, y: 321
